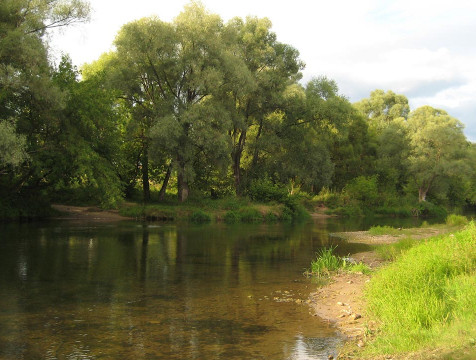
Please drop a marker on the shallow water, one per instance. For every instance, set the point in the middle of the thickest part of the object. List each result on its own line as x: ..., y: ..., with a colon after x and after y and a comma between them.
x: 162, y: 291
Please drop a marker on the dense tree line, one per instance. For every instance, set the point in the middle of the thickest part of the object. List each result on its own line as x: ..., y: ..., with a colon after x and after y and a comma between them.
x: 199, y: 106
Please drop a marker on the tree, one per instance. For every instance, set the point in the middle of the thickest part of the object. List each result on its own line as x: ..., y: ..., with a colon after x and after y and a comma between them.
x: 271, y: 68
x: 438, y: 147
x: 173, y: 76
x: 29, y: 101
x: 382, y: 108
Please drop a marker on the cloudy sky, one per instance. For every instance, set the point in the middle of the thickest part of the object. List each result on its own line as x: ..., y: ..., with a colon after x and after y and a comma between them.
x: 423, y: 49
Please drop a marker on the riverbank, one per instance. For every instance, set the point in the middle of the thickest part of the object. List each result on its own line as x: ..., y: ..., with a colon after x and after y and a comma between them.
x: 86, y: 213
x: 344, y: 301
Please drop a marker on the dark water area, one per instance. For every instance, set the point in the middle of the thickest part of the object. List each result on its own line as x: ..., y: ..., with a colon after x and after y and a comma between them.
x: 163, y: 291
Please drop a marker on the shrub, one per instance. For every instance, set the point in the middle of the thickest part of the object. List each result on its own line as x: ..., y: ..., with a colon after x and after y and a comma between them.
x: 199, y: 216
x: 231, y: 217
x: 250, y: 214
x: 329, y: 198
x: 265, y: 191
x: 295, y: 209
x: 456, y: 220
x: 426, y: 208
x: 270, y: 217
x: 364, y: 189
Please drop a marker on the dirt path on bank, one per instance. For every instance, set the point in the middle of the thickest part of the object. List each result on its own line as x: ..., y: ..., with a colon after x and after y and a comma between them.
x: 87, y: 213
x: 341, y: 300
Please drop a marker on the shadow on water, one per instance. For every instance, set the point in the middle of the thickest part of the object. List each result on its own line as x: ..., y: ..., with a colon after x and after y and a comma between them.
x: 153, y: 291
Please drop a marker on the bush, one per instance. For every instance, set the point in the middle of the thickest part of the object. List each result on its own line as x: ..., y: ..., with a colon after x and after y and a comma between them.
x: 231, y: 217
x: 456, y: 220
x: 329, y: 198
x: 199, y: 216
x: 426, y: 208
x: 364, y: 189
x: 250, y: 214
x: 297, y: 211
x: 265, y: 191
x: 270, y: 217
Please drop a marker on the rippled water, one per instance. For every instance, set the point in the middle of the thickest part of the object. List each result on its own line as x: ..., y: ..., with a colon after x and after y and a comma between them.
x: 161, y: 291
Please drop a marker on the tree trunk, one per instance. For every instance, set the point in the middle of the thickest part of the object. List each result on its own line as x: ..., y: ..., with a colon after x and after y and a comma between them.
x: 145, y: 173
x: 182, y: 184
x: 422, y: 194
x: 165, y: 183
x: 236, y: 157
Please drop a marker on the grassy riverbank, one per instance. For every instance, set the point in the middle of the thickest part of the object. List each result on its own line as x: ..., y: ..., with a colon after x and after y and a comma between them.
x: 426, y: 298
x: 422, y: 299
x: 229, y: 210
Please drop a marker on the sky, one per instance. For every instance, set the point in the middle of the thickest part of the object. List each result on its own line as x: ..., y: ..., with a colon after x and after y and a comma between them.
x: 425, y: 50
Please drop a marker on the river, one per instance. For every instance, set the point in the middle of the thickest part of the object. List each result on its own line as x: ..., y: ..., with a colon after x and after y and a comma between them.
x: 127, y: 290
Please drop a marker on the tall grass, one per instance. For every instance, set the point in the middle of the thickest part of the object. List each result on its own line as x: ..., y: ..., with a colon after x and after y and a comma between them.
x: 427, y: 297
x: 326, y: 261
x: 456, y: 220
x: 392, y: 251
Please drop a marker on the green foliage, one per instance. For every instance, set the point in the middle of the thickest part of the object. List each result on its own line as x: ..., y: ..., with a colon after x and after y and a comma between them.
x: 270, y: 217
x: 199, y: 216
x: 297, y: 211
x: 424, y: 297
x: 232, y: 217
x: 329, y: 198
x: 250, y: 214
x: 363, y: 189
x: 264, y: 190
x: 428, y: 209
x: 456, y: 220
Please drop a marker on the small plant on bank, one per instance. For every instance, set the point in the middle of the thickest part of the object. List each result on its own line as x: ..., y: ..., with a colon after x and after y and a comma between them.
x: 325, y: 262
x: 250, y: 214
x: 456, y: 220
x: 383, y: 230
x: 200, y: 216
x: 231, y: 217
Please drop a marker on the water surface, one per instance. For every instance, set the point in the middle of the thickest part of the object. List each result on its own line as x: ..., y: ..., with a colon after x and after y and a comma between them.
x: 162, y: 291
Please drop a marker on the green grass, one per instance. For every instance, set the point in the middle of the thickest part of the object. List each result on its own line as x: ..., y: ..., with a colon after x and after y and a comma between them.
x: 383, y: 230
x: 456, y: 220
x: 358, y: 268
x: 427, y: 297
x: 392, y: 251
x: 326, y: 262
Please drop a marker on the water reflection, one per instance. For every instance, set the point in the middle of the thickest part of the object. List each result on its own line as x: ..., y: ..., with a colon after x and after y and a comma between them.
x: 160, y: 291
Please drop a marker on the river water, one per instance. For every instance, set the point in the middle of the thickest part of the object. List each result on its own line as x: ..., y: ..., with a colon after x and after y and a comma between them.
x: 163, y: 291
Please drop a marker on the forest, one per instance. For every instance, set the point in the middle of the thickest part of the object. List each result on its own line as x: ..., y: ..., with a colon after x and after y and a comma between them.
x: 199, y: 108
